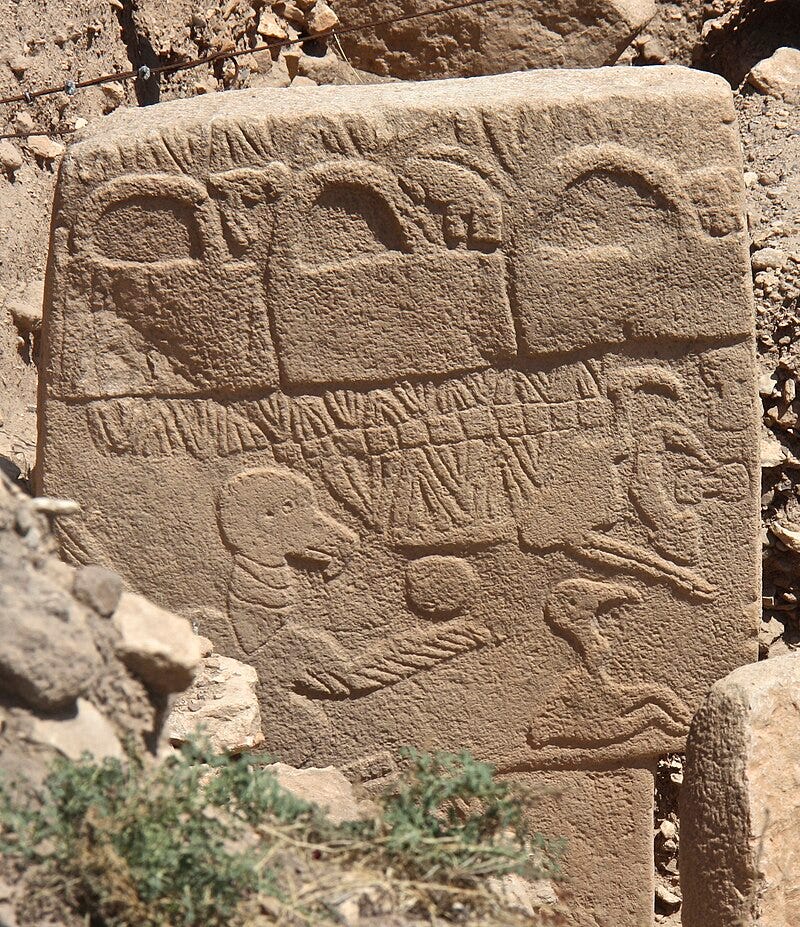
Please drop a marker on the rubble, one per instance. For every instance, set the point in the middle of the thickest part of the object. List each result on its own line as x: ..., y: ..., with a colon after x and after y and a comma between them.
x: 778, y: 75
x: 327, y: 788
x: 159, y: 647
x: 63, y: 690
x: 221, y: 707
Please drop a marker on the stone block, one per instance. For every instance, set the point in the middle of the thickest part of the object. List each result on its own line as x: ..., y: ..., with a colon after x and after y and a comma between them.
x: 778, y: 75
x: 740, y: 803
x: 435, y: 402
x: 605, y: 820
x: 327, y: 788
x: 490, y: 38
x: 156, y: 645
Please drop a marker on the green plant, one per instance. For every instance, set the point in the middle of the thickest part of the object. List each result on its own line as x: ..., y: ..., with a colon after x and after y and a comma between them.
x: 203, y: 841
x: 450, y: 817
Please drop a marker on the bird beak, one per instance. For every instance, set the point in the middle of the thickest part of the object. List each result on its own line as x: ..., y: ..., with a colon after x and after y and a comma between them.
x: 331, y: 546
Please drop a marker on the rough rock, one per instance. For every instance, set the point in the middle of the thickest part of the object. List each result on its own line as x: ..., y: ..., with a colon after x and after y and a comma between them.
x: 10, y: 156
x: 523, y: 896
x: 62, y: 687
x: 25, y: 306
x: 47, y: 653
x: 508, y: 35
x: 221, y: 706
x: 83, y: 730
x: 98, y: 588
x: 321, y: 19
x: 44, y: 147
x: 778, y: 75
x: 326, y: 787
x: 740, y: 806
x: 157, y: 645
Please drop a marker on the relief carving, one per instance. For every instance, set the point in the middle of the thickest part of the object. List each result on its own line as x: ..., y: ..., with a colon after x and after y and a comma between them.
x: 271, y: 523
x: 468, y: 441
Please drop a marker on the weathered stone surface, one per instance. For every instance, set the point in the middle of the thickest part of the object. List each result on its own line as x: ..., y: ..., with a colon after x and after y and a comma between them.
x: 158, y: 646
x: 327, y: 788
x: 509, y: 35
x: 778, y: 75
x: 221, y: 705
x: 47, y: 655
x: 740, y: 804
x: 606, y: 822
x: 434, y: 402
x: 81, y: 730
x: 98, y: 588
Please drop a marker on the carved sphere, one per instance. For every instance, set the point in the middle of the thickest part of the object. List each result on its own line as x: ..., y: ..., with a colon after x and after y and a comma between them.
x: 440, y: 587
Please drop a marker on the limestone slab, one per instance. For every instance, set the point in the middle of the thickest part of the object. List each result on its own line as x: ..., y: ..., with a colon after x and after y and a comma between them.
x: 434, y: 402
x: 220, y: 708
x: 740, y: 811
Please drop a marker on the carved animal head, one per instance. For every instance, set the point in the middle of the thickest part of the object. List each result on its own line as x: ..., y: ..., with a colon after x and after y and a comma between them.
x: 270, y: 515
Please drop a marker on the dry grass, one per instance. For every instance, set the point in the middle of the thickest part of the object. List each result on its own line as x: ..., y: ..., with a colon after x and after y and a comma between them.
x: 201, y: 842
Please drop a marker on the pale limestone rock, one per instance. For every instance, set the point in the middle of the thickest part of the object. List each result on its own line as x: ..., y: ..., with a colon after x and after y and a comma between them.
x: 523, y: 896
x: 327, y: 788
x: 769, y: 259
x: 778, y: 75
x: 220, y: 706
x: 321, y: 19
x: 740, y: 802
x: 788, y: 536
x: 773, y: 453
x: 158, y: 646
x: 44, y: 147
x: 19, y: 64
x: 269, y: 26
x: 25, y: 305
x: 10, y: 156
x: 83, y: 730
x: 300, y: 81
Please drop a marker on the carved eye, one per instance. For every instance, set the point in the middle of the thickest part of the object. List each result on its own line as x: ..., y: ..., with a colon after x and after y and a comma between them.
x: 288, y: 505
x: 267, y: 517
x: 145, y: 229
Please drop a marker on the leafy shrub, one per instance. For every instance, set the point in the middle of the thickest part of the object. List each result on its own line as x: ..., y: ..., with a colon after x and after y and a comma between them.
x: 199, y: 841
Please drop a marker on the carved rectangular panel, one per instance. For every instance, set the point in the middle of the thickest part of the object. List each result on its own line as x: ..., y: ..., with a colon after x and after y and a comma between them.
x: 605, y: 820
x: 434, y: 402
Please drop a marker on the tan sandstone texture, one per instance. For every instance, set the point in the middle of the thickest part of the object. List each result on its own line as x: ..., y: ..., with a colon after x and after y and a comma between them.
x: 433, y: 402
x: 740, y: 805
x: 506, y: 35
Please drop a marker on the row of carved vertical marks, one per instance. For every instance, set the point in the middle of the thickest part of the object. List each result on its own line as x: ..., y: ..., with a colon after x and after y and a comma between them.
x: 436, y: 402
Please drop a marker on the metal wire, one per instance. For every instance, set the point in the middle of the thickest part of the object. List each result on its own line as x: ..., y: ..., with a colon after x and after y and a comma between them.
x: 144, y: 73
x: 50, y: 133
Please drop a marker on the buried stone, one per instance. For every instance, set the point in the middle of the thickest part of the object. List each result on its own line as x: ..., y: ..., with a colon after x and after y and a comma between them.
x: 436, y: 405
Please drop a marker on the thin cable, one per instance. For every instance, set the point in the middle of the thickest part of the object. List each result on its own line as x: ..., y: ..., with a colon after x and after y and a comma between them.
x: 30, y: 95
x: 346, y: 60
x: 50, y: 133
